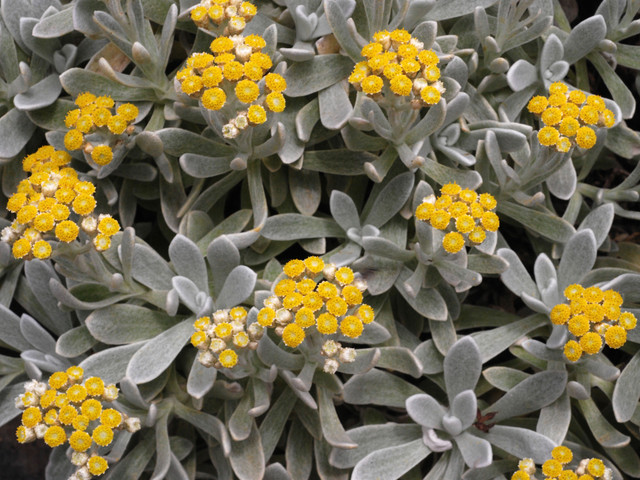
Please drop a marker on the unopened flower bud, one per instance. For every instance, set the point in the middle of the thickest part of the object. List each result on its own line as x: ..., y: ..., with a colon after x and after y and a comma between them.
x: 217, y: 345
x: 83, y: 474
x: 330, y: 348
x: 132, y: 424
x: 79, y: 458
x: 329, y: 271
x: 347, y: 355
x: 255, y: 331
x: 284, y: 317
x: 330, y: 365
x: 273, y: 302
x: 207, y: 358
x: 40, y: 430
x: 110, y: 393
x: 220, y: 316
x: 89, y: 224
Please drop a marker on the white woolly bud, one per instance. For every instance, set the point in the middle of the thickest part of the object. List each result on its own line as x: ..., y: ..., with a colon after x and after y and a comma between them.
x: 207, y: 358
x: 347, y: 355
x: 255, y: 331
x: 220, y: 316
x: 217, y: 345
x: 527, y: 466
x: 40, y: 430
x: 83, y: 474
x: 430, y: 199
x: 237, y: 40
x: 272, y: 302
x: 440, y: 87
x: 89, y: 224
x: 360, y: 284
x: 230, y: 131
x: 132, y: 424
x: 237, y: 326
x: 416, y: 43
x: 242, y: 121
x: 418, y: 84
x: 243, y: 52
x: 330, y: 365
x: 284, y: 317
x: 79, y: 458
x: 329, y: 271
x: 8, y: 235
x: 49, y: 188
x: 110, y: 393
x: 608, y: 474
x: 330, y: 348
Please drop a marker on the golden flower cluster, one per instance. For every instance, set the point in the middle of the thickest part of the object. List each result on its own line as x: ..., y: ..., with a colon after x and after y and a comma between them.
x: 398, y: 62
x: 68, y: 409
x: 317, y: 297
x: 235, y: 13
x: 557, y: 468
x: 569, y: 117
x: 95, y: 116
x: 462, y: 210
x: 237, y: 64
x: 43, y: 205
x: 591, y: 316
x: 223, y: 335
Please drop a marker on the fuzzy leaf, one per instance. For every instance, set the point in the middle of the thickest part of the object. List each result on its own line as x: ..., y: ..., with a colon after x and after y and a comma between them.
x: 15, y: 130
x: 159, y: 352
x: 325, y: 70
x: 578, y: 258
x: 425, y: 410
x: 125, y: 323
x: 344, y: 211
x: 110, y: 364
x: 291, y: 226
x: 237, y: 287
x: 74, y: 342
x: 188, y: 261
x: 584, y: 37
x: 462, y: 367
x: 627, y: 390
x: 378, y: 388
x: 457, y: 8
x: 476, y: 451
x: 529, y: 395
x: 521, y: 442
x: 390, y: 200
x: 391, y: 462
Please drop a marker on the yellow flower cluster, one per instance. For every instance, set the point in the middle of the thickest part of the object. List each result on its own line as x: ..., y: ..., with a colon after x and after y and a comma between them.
x: 237, y: 63
x: 465, y: 211
x: 320, y: 297
x: 44, y: 202
x: 399, y: 62
x: 221, y: 336
x: 569, y: 117
x: 591, y: 316
x: 95, y: 115
x: 235, y: 13
x: 68, y: 409
x: 557, y: 468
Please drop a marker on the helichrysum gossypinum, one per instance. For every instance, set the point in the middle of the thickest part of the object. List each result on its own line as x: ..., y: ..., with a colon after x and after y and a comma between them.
x: 318, y: 297
x: 95, y: 115
x: 235, y: 68
x: 569, y: 117
x: 557, y: 467
x: 398, y: 63
x: 234, y: 14
x: 594, y: 318
x: 46, y: 203
x: 222, y: 337
x: 466, y: 214
x: 70, y: 410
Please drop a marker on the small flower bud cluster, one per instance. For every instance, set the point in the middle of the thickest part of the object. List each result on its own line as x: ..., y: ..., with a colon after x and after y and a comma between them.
x: 223, y: 335
x: 398, y: 61
x: 237, y: 63
x: 235, y: 13
x: 68, y: 409
x: 557, y: 467
x: 591, y: 316
x: 569, y: 117
x: 335, y: 354
x: 44, y: 202
x: 95, y: 116
x: 318, y: 296
x: 463, y: 211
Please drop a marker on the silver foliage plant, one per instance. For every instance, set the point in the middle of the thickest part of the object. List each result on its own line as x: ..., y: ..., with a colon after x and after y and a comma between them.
x: 449, y: 381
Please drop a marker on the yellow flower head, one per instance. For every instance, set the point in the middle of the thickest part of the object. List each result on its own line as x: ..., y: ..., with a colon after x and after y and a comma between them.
x: 266, y: 316
x: 41, y: 249
x: 537, y: 104
x: 344, y: 275
x: 562, y: 454
x: 276, y: 102
x: 579, y: 325
x: 591, y: 343
x: 430, y: 95
x: 275, y: 82
x: 257, y: 114
x: 440, y: 219
x: 73, y: 139
x: 597, y: 102
x: 111, y: 418
x: 91, y: 409
x: 548, y: 136
x: 453, y: 242
x: 293, y: 335
x: 102, y: 435
x: 247, y: 91
x: 55, y: 436
x: 627, y: 320
x: 305, y: 317
x: 31, y: 417
x: 214, y: 98
x: 327, y: 324
x: 595, y: 467
x: 572, y: 350
x: 615, y: 336
x: 58, y: 380
x: 428, y: 57
x: 97, y: 465
x: 560, y: 314
x: 117, y: 124
x: 294, y: 268
x: 351, y: 326
x: 102, y: 155
x: 372, y: 84
x: 80, y: 441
